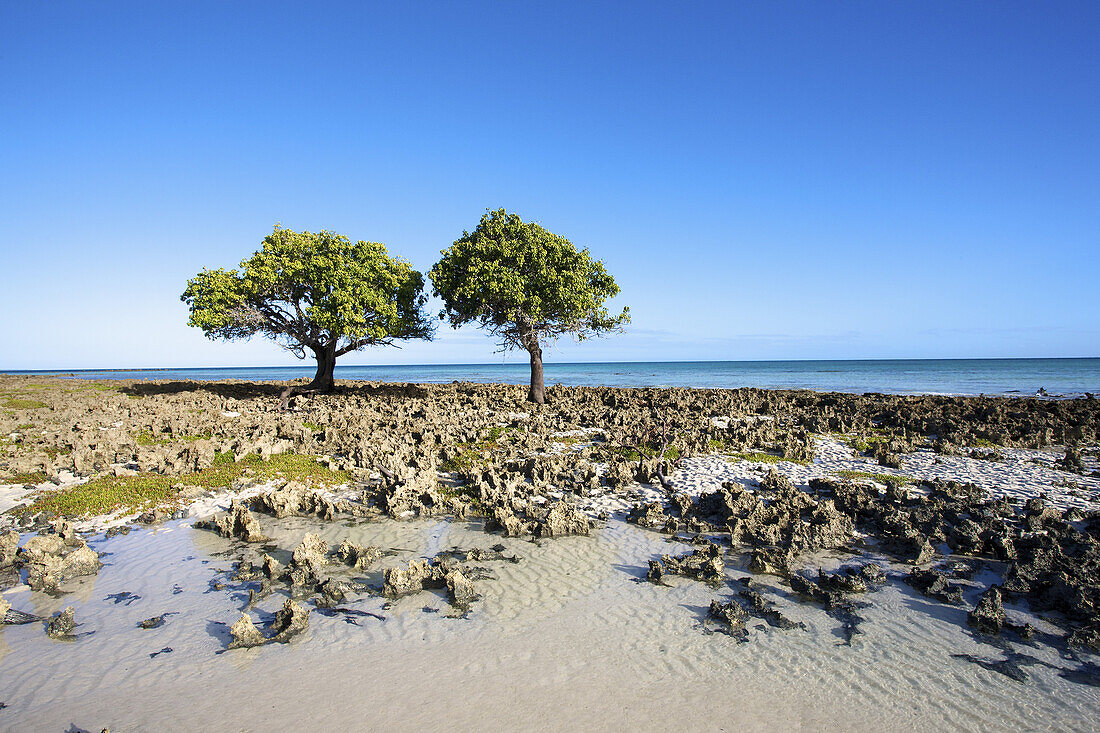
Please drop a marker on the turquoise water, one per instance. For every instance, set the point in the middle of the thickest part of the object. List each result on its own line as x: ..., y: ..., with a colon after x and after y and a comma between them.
x: 898, y: 376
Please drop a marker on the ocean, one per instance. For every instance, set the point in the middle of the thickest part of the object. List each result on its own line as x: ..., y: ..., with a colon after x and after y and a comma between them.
x: 1058, y: 377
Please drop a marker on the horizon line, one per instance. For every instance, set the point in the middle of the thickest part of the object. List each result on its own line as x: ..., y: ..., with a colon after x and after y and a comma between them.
x: 308, y: 365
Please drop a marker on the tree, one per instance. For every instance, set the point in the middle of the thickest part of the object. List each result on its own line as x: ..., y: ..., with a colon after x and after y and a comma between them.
x: 314, y: 293
x: 526, y: 286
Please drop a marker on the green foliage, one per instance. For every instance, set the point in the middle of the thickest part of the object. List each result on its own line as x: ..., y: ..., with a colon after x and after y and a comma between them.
x: 521, y: 282
x: 315, y: 291
x: 314, y: 427
x: 24, y: 427
x: 720, y: 445
x: 53, y: 452
x: 866, y: 443
x: 36, y: 477
x: 148, y: 490
x: 19, y: 404
x: 767, y: 458
x: 882, y: 478
x: 472, y: 454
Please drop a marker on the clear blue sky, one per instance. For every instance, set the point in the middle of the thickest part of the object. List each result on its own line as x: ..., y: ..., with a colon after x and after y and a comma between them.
x: 766, y: 180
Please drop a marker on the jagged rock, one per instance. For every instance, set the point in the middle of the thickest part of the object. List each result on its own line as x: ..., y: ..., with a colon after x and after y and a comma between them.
x: 460, y: 589
x: 656, y: 573
x: 762, y: 608
x: 154, y: 622
x: 562, y: 519
x: 9, y: 544
x: 291, y: 620
x: 731, y: 615
x: 358, y: 556
x: 245, y: 634
x: 39, y: 547
x: 296, y: 499
x: 4, y: 608
x: 237, y: 522
x: 706, y: 564
x: 812, y: 591
x: 649, y: 514
x: 333, y: 593
x: 506, y: 520
x: 271, y: 568
x: 1085, y: 636
x: 842, y: 582
x: 62, y: 624
x: 934, y: 585
x: 48, y: 572
x: 397, y: 582
x: 311, y: 554
x: 1071, y: 461
x: 412, y: 499
x: 64, y: 529
x: 988, y: 616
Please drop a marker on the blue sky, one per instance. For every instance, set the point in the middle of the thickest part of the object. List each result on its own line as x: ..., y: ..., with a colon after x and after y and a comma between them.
x: 766, y: 180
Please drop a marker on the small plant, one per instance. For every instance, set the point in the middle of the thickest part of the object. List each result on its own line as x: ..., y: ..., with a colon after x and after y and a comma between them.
x: 758, y: 457
x: 35, y: 477
x: 866, y: 443
x: 20, y: 404
x: 471, y: 454
x: 145, y: 491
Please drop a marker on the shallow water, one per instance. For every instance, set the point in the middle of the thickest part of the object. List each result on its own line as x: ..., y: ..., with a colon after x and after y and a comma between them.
x: 570, y: 636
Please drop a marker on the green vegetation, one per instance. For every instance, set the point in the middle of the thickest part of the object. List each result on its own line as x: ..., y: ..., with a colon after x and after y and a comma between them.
x: 767, y: 458
x: 312, y: 293
x: 525, y: 286
x: 882, y: 478
x: 648, y: 451
x: 984, y: 443
x: 719, y: 445
x: 20, y: 404
x: 313, y: 426
x: 24, y: 427
x: 467, y: 492
x: 36, y: 477
x: 865, y: 443
x: 149, y: 490
x: 471, y: 454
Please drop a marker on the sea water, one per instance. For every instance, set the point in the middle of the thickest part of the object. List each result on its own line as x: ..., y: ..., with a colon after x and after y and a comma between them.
x: 1062, y: 377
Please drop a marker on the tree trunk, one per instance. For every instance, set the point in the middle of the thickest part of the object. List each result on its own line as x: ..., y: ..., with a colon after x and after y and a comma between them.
x: 323, y: 382
x: 537, y: 394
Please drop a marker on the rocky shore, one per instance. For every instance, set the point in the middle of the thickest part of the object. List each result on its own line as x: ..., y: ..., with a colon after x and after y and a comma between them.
x: 782, y: 515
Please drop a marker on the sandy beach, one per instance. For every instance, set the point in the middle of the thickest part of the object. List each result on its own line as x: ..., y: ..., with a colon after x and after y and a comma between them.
x: 537, y: 604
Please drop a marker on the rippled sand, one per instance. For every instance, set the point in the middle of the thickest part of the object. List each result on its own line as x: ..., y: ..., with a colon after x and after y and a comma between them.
x: 570, y: 636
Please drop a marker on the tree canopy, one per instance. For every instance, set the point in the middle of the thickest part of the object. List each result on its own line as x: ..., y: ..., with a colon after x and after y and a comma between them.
x: 312, y: 292
x: 525, y: 285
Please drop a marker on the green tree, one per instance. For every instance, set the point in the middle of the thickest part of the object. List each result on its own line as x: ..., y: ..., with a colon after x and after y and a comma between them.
x: 312, y: 293
x: 526, y: 286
